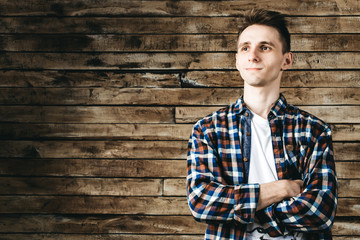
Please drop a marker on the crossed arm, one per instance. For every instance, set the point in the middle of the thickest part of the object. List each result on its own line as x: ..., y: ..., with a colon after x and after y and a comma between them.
x: 308, y: 204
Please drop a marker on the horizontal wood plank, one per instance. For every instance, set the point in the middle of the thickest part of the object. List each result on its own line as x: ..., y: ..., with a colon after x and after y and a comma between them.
x: 111, y: 226
x: 99, y: 205
x: 123, y: 237
x: 112, y: 168
x: 19, y: 78
x: 120, y: 205
x: 164, y: 8
x: 80, y: 186
x: 167, y: 96
x: 164, y: 43
x: 127, y: 168
x: 108, y: 79
x: 346, y: 188
x: 122, y: 149
x: 168, y: 61
x: 22, y: 131
x: 290, y: 78
x: 104, y: 224
x: 94, y: 149
x: 108, y: 131
x: 169, y: 25
x: 110, y: 236
x: 330, y: 114
x: 86, y: 114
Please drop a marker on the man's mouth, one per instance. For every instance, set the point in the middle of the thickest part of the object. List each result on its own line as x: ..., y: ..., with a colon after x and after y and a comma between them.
x: 253, y: 69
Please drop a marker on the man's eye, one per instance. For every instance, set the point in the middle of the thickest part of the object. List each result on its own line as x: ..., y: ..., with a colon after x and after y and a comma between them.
x: 244, y: 48
x: 265, y: 48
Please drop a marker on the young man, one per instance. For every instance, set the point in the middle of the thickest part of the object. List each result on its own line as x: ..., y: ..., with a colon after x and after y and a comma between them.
x: 261, y: 168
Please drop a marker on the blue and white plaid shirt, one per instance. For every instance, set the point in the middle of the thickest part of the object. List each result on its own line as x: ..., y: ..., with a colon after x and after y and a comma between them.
x: 218, y: 167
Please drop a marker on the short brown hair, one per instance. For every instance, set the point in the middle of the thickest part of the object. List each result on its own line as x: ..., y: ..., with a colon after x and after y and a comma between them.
x: 271, y: 19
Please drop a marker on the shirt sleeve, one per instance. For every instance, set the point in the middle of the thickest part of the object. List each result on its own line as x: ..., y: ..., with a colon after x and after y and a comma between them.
x: 210, y: 198
x: 314, y: 209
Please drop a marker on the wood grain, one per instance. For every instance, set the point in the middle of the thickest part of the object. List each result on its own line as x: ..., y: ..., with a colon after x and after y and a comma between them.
x: 330, y: 114
x: 86, y: 114
x: 131, y: 168
x: 23, y: 131
x: 100, y: 168
x: 80, y: 186
x: 110, y: 236
x: 94, y: 149
x: 164, y: 43
x: 297, y: 79
x: 182, y: 8
x: 167, y: 96
x: 169, y: 61
x: 120, y: 205
x: 71, y: 224
x: 110, y: 79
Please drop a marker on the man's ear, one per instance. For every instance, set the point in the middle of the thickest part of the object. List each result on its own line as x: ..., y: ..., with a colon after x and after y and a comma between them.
x: 288, y: 61
x: 237, y: 64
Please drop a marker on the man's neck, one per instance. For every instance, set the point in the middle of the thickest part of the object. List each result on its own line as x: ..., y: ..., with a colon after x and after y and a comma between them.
x: 261, y: 99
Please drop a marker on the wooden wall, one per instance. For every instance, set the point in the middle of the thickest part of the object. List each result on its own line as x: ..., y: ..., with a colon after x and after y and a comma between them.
x: 97, y: 100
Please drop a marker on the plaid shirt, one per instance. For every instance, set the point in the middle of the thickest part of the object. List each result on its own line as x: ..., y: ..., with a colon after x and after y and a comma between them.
x: 218, y: 165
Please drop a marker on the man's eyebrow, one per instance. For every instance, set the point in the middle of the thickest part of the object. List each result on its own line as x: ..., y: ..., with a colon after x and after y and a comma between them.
x: 262, y: 43
x: 268, y: 43
x: 243, y: 43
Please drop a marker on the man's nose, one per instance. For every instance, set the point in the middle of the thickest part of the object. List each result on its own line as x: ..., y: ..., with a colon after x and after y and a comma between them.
x: 253, y: 56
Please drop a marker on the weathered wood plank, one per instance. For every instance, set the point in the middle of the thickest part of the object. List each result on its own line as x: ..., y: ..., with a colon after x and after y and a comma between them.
x: 18, y: 78
x: 99, y: 205
x: 104, y: 224
x: 107, y: 131
x: 178, y: 8
x: 112, y: 225
x: 345, y: 132
x: 123, y: 237
x: 93, y: 149
x: 86, y: 114
x: 164, y: 43
x: 112, y: 168
x: 347, y: 169
x: 330, y: 114
x: 80, y: 186
x: 123, y: 168
x: 109, y: 236
x: 165, y: 25
x: 22, y: 131
x: 154, y: 61
x: 289, y: 79
x: 167, y: 96
x: 120, y: 205
x: 87, y: 79
x: 123, y: 149
x: 347, y: 187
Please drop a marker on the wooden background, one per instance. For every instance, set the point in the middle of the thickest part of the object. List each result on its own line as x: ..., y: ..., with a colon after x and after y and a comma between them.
x: 97, y: 100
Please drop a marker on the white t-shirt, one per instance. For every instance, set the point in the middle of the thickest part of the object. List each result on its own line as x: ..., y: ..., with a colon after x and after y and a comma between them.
x: 262, y: 166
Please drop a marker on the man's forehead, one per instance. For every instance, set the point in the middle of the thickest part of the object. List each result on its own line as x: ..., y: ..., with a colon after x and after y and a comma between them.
x: 259, y: 33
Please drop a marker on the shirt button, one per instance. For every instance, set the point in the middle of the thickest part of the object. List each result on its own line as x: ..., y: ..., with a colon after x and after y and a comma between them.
x: 248, y: 134
x: 246, y: 159
x: 246, y: 114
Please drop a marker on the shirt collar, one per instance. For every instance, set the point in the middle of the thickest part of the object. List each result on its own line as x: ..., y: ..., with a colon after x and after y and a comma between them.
x: 277, y: 110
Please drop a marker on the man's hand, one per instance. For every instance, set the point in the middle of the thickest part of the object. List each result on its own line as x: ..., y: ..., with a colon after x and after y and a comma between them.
x: 277, y: 191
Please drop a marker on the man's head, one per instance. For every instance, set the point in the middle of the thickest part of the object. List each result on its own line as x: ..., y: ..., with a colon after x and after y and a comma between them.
x: 263, y: 49
x: 271, y: 19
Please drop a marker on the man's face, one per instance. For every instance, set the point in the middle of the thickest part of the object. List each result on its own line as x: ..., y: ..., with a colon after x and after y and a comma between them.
x: 259, y: 58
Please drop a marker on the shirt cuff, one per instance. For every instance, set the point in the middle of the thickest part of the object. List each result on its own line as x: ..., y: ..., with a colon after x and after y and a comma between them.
x: 246, y: 200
